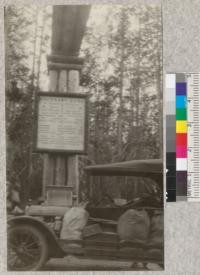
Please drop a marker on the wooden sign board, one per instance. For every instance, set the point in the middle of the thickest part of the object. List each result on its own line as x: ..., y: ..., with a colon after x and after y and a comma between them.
x: 60, y: 123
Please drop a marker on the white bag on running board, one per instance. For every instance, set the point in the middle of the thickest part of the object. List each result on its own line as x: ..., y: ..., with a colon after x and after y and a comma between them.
x: 74, y: 221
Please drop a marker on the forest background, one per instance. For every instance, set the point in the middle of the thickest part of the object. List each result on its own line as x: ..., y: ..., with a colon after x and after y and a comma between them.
x: 122, y: 75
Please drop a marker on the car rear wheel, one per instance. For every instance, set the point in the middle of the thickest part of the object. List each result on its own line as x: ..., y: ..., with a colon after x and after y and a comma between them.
x: 27, y: 248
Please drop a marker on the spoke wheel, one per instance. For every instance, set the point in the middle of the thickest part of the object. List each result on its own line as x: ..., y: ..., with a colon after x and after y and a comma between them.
x: 27, y: 248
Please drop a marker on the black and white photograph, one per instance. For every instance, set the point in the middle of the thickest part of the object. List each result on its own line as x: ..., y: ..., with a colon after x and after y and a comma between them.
x: 84, y: 137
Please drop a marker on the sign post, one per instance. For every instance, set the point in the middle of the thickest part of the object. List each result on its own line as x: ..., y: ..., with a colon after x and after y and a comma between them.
x: 64, y: 67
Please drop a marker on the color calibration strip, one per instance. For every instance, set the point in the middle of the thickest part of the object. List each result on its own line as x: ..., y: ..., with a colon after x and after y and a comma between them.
x: 182, y: 136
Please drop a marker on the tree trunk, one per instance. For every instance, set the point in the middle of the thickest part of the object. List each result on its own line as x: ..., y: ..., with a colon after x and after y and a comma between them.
x: 137, y: 100
x: 34, y: 48
x: 32, y: 91
x: 121, y: 86
x: 40, y: 51
x: 160, y: 106
x: 96, y: 131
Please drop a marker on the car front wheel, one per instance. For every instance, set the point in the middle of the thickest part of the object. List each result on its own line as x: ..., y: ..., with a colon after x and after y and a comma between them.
x: 27, y: 248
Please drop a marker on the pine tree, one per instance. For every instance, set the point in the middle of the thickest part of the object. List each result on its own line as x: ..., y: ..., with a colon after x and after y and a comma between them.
x: 21, y: 36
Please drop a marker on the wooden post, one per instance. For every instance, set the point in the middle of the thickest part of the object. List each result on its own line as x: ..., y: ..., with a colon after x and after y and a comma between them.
x: 62, y: 170
x: 64, y: 71
x: 73, y: 170
x: 49, y: 160
x: 60, y: 164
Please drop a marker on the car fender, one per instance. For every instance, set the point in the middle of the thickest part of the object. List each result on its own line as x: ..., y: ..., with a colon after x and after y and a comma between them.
x: 54, y: 248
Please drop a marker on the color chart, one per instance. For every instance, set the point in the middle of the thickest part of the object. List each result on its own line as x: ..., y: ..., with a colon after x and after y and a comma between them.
x: 182, y: 136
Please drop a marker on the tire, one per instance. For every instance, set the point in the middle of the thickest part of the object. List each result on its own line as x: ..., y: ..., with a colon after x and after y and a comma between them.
x: 27, y: 248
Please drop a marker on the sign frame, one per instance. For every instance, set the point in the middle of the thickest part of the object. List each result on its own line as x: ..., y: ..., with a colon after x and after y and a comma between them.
x: 40, y: 94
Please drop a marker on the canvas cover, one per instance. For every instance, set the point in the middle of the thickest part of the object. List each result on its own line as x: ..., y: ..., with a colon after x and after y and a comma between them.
x: 134, y: 226
x: 74, y: 222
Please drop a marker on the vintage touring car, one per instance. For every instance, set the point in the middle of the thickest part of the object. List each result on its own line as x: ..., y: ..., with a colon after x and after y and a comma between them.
x: 34, y: 238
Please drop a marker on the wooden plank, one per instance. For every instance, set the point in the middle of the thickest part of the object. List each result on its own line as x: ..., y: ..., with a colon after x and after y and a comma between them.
x: 53, y: 80
x: 73, y: 83
x: 49, y: 160
x: 60, y: 171
x: 73, y: 174
x: 60, y: 163
x: 48, y: 172
x: 42, y: 210
x: 73, y: 161
x: 62, y: 82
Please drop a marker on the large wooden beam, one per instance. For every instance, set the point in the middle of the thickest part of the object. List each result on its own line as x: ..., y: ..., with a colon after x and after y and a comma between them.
x: 69, y: 23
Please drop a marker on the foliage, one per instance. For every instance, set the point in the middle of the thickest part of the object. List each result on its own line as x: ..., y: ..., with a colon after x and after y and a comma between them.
x: 26, y: 41
x: 130, y: 40
x: 122, y: 75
